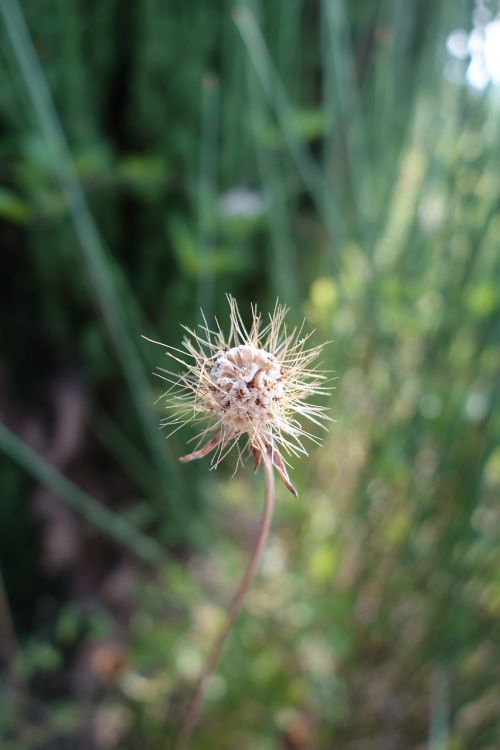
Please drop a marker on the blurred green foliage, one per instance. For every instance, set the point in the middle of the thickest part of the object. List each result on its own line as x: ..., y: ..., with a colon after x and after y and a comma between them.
x: 155, y: 155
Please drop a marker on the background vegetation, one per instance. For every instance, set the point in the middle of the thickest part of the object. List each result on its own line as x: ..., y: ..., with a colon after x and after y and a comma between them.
x: 155, y: 155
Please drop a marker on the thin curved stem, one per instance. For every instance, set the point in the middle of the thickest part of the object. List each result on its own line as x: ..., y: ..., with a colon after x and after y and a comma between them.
x: 193, y: 710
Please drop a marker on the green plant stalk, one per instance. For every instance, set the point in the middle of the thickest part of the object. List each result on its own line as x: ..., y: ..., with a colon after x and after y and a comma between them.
x: 207, y: 190
x: 193, y: 710
x: 272, y: 178
x: 116, y: 526
x: 341, y: 83
x: 274, y: 90
x: 90, y: 241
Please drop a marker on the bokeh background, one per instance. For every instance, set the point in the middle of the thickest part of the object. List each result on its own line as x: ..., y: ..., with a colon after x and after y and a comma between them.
x: 344, y: 157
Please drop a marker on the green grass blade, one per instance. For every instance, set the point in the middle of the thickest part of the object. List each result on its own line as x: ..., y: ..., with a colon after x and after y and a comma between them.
x: 115, y: 526
x: 272, y: 178
x: 272, y: 85
x: 207, y: 191
x: 91, y: 244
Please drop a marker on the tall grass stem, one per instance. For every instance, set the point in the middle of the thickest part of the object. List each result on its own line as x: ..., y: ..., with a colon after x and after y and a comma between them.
x: 113, y: 525
x: 207, y: 191
x: 309, y: 170
x: 92, y: 246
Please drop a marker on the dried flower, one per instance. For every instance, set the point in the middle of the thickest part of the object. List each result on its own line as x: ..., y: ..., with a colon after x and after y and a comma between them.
x: 252, y: 384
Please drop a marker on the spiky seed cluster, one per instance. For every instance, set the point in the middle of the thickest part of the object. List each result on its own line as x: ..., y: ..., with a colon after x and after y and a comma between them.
x: 253, y: 384
x: 247, y: 386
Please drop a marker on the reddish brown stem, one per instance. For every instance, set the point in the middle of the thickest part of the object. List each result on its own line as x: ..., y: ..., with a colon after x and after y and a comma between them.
x: 193, y: 710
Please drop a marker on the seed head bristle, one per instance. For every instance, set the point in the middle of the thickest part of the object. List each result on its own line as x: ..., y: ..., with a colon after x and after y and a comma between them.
x: 251, y: 384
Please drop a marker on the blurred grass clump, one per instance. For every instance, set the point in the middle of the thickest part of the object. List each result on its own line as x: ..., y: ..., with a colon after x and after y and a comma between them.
x: 154, y: 156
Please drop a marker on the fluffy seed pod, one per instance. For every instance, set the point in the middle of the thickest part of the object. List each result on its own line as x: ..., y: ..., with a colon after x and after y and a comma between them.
x: 252, y: 384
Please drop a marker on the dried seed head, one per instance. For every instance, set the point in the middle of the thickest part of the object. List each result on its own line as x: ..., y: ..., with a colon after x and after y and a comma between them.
x: 253, y: 384
x: 247, y: 387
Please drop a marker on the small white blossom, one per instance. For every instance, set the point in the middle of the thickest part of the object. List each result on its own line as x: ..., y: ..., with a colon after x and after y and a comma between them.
x: 242, y: 203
